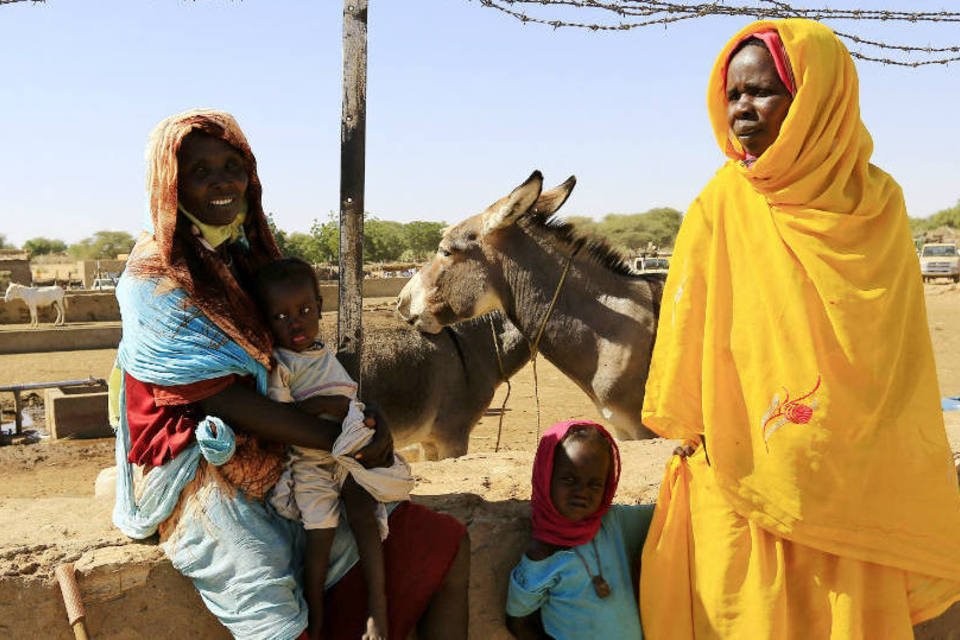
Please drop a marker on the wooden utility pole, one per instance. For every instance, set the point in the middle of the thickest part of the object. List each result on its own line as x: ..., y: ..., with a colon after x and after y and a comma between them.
x: 353, y: 134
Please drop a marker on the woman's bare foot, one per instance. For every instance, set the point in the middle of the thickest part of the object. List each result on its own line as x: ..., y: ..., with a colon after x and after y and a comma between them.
x: 376, y: 629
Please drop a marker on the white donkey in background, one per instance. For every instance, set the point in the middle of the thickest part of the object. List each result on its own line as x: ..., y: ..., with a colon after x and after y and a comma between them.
x: 38, y: 296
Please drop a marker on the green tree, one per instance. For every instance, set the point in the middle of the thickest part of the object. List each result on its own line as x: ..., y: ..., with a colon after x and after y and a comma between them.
x: 41, y: 246
x: 946, y: 218
x: 279, y: 235
x: 304, y: 246
x: 949, y: 217
x: 918, y: 225
x: 634, y: 231
x: 327, y: 237
x: 584, y: 224
x: 421, y: 239
x: 102, y: 245
x: 663, y: 224
x: 382, y: 240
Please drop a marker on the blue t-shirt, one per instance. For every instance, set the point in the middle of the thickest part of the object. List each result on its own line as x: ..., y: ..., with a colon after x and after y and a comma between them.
x: 560, y: 587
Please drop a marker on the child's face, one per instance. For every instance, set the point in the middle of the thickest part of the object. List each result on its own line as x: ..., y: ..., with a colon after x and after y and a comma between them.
x: 212, y: 179
x: 580, y: 471
x: 293, y: 313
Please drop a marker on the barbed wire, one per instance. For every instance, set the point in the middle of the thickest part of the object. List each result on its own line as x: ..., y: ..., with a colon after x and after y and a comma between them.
x: 624, y: 15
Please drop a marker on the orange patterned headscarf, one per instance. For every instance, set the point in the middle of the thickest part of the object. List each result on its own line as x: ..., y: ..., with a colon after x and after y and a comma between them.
x: 174, y: 253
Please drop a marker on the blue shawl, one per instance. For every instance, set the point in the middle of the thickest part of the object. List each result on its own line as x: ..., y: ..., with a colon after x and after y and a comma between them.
x: 167, y: 341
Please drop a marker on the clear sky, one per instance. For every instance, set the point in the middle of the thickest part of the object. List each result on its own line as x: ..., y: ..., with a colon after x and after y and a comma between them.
x: 463, y: 103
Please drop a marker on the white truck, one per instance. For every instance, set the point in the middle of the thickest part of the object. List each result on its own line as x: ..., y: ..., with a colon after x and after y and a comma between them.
x: 104, y: 283
x: 653, y: 264
x: 940, y: 260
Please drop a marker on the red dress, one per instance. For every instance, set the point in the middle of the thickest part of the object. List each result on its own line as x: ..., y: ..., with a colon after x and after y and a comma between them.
x: 162, y: 419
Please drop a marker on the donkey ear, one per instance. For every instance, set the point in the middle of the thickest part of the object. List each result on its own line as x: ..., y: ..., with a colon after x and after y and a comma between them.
x: 549, y: 201
x: 506, y: 210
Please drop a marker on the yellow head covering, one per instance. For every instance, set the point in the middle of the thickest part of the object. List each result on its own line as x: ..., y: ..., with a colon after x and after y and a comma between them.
x: 793, y: 333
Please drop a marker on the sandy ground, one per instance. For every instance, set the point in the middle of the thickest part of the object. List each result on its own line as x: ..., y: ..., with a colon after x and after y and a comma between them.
x: 560, y: 399
x: 69, y: 468
x: 63, y: 473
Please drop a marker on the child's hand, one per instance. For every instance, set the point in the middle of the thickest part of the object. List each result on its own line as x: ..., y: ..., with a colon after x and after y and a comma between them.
x: 379, y: 451
x: 684, y: 450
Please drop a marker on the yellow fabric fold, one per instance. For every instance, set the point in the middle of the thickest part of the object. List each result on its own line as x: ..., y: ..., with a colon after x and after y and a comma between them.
x: 708, y: 572
x: 793, y: 334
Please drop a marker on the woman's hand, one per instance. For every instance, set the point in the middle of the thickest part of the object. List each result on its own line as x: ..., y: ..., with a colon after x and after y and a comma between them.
x: 379, y: 451
x: 684, y: 450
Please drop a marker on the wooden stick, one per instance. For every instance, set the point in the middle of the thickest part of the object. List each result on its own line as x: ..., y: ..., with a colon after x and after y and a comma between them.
x: 72, y: 600
x: 353, y: 141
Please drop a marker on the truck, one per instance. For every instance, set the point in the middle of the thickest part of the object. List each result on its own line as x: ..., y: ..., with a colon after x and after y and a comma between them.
x: 657, y: 264
x: 940, y: 260
x: 104, y: 283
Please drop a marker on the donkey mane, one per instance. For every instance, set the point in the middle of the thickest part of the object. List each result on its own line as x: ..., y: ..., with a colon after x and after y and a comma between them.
x: 598, y: 249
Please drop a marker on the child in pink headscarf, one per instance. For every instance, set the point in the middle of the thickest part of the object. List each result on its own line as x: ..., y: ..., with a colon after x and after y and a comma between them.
x: 576, y: 579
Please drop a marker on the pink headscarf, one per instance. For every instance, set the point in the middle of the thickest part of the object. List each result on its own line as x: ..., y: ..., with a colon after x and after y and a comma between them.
x: 548, y: 525
x: 775, y: 46
x: 780, y: 60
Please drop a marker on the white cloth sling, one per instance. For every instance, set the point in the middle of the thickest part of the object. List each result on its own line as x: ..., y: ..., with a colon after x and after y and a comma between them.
x: 309, y: 489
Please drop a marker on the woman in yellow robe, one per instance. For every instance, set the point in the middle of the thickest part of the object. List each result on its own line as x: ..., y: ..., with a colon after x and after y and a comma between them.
x: 793, y: 352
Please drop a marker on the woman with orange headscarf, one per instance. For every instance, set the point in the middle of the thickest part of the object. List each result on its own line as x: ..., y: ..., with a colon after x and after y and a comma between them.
x: 199, y: 445
x: 793, y: 355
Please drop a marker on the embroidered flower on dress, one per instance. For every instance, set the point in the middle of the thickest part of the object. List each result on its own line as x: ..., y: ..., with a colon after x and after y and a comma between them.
x: 797, y: 411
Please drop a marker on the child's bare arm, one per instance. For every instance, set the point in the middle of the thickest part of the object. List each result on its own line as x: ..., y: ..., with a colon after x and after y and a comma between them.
x: 335, y: 406
x: 528, y: 627
x: 317, y: 562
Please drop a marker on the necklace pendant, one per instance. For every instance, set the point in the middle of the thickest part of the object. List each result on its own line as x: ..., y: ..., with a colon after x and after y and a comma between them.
x: 600, y: 586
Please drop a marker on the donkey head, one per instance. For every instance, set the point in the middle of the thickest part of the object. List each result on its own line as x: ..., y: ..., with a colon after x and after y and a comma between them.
x: 9, y: 295
x: 463, y: 278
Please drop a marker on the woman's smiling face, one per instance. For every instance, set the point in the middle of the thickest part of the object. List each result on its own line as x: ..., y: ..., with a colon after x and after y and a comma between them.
x: 757, y: 100
x: 212, y: 178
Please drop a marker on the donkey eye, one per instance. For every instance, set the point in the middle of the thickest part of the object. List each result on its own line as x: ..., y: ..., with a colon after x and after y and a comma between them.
x: 446, y: 253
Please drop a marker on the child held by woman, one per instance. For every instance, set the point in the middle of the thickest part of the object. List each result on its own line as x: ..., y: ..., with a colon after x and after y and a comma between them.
x: 577, y: 578
x: 316, y: 483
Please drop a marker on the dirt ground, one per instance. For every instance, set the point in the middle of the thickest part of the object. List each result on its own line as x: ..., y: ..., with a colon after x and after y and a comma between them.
x: 68, y: 468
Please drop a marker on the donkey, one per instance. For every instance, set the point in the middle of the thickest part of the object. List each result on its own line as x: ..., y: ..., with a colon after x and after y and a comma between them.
x: 434, y: 388
x: 574, y: 297
x: 38, y: 296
